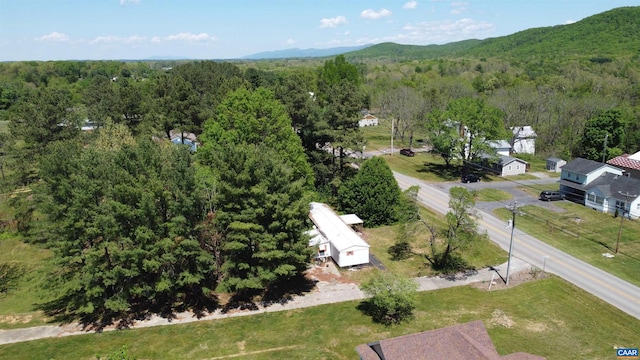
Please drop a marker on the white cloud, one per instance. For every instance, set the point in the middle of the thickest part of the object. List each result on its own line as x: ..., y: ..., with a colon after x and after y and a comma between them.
x: 54, y: 36
x: 333, y: 22
x: 374, y: 15
x: 441, y: 32
x: 290, y: 41
x: 410, y: 5
x: 122, y: 2
x: 184, y: 37
x: 569, y: 22
x: 459, y: 7
x: 111, y: 39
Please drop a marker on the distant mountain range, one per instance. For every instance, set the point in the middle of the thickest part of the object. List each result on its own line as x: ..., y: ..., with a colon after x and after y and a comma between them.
x: 303, y: 53
x: 600, y: 37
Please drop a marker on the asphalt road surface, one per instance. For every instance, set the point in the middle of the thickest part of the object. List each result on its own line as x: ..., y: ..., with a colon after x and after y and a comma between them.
x: 607, y: 287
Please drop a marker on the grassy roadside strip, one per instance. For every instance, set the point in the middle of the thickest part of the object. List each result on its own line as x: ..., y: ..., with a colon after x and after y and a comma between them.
x: 548, y: 317
x: 585, y: 234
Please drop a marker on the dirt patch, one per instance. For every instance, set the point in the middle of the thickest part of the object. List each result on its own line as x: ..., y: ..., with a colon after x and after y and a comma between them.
x: 514, y: 280
x: 15, y: 319
x: 499, y: 318
x: 325, y: 272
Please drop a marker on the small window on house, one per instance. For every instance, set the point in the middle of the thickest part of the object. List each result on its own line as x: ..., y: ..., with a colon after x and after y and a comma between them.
x: 509, y: 167
x: 349, y: 253
x: 517, y: 166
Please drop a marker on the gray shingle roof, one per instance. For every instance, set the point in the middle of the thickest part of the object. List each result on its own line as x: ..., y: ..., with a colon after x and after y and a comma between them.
x: 583, y: 166
x: 613, y: 185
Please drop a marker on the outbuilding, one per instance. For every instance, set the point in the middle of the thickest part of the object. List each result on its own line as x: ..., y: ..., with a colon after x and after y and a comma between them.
x: 554, y: 164
x: 335, y: 238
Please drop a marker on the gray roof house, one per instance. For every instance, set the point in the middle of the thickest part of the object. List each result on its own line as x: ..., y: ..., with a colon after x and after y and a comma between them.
x: 610, y: 192
x: 505, y: 165
x: 600, y: 186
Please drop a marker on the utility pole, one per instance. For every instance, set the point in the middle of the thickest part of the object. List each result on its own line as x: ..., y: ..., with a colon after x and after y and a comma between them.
x: 604, y: 149
x: 392, y: 136
x: 514, y: 210
x: 626, y: 202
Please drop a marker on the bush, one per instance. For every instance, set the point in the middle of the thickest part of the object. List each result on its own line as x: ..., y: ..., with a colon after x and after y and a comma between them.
x: 392, y: 298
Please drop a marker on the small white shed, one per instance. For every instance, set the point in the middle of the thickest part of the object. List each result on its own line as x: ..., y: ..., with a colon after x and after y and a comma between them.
x: 554, y: 164
x: 345, y: 246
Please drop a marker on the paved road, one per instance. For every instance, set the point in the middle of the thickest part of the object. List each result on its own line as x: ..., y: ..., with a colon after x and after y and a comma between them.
x: 607, y: 287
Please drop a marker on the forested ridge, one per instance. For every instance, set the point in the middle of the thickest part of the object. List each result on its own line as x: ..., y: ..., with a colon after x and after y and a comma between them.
x: 139, y: 225
x: 612, y: 33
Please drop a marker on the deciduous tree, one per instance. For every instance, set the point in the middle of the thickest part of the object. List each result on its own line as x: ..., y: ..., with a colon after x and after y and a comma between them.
x: 460, y: 232
x: 609, y: 124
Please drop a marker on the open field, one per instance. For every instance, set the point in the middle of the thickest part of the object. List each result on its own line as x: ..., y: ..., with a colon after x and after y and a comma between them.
x: 585, y: 234
x: 546, y: 317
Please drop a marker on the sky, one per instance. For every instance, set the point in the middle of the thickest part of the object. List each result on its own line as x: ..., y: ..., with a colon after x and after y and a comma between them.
x: 230, y: 29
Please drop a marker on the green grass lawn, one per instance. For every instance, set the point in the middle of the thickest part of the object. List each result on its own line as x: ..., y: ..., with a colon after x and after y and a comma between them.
x: 585, y: 234
x: 379, y: 137
x: 548, y: 317
x: 431, y: 168
x: 480, y: 254
x: 425, y: 167
x: 17, y: 307
x: 535, y: 189
x: 493, y: 195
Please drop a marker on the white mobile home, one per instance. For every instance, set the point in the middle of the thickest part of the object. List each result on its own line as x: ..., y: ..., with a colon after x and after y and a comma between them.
x: 345, y: 246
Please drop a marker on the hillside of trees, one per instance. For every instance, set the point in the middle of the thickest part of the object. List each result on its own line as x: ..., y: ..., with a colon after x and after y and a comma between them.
x: 139, y: 225
x: 611, y: 34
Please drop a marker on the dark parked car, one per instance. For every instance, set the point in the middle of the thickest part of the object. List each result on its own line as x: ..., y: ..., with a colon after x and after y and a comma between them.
x: 550, y: 195
x: 470, y: 178
x: 407, y: 152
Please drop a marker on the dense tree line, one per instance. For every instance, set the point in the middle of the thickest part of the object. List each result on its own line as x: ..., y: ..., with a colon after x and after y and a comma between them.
x: 141, y: 226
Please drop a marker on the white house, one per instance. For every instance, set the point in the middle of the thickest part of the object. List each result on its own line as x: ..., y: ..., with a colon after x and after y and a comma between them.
x: 335, y: 238
x: 502, y: 147
x: 505, y: 165
x: 610, y: 192
x: 524, y: 140
x: 368, y: 120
